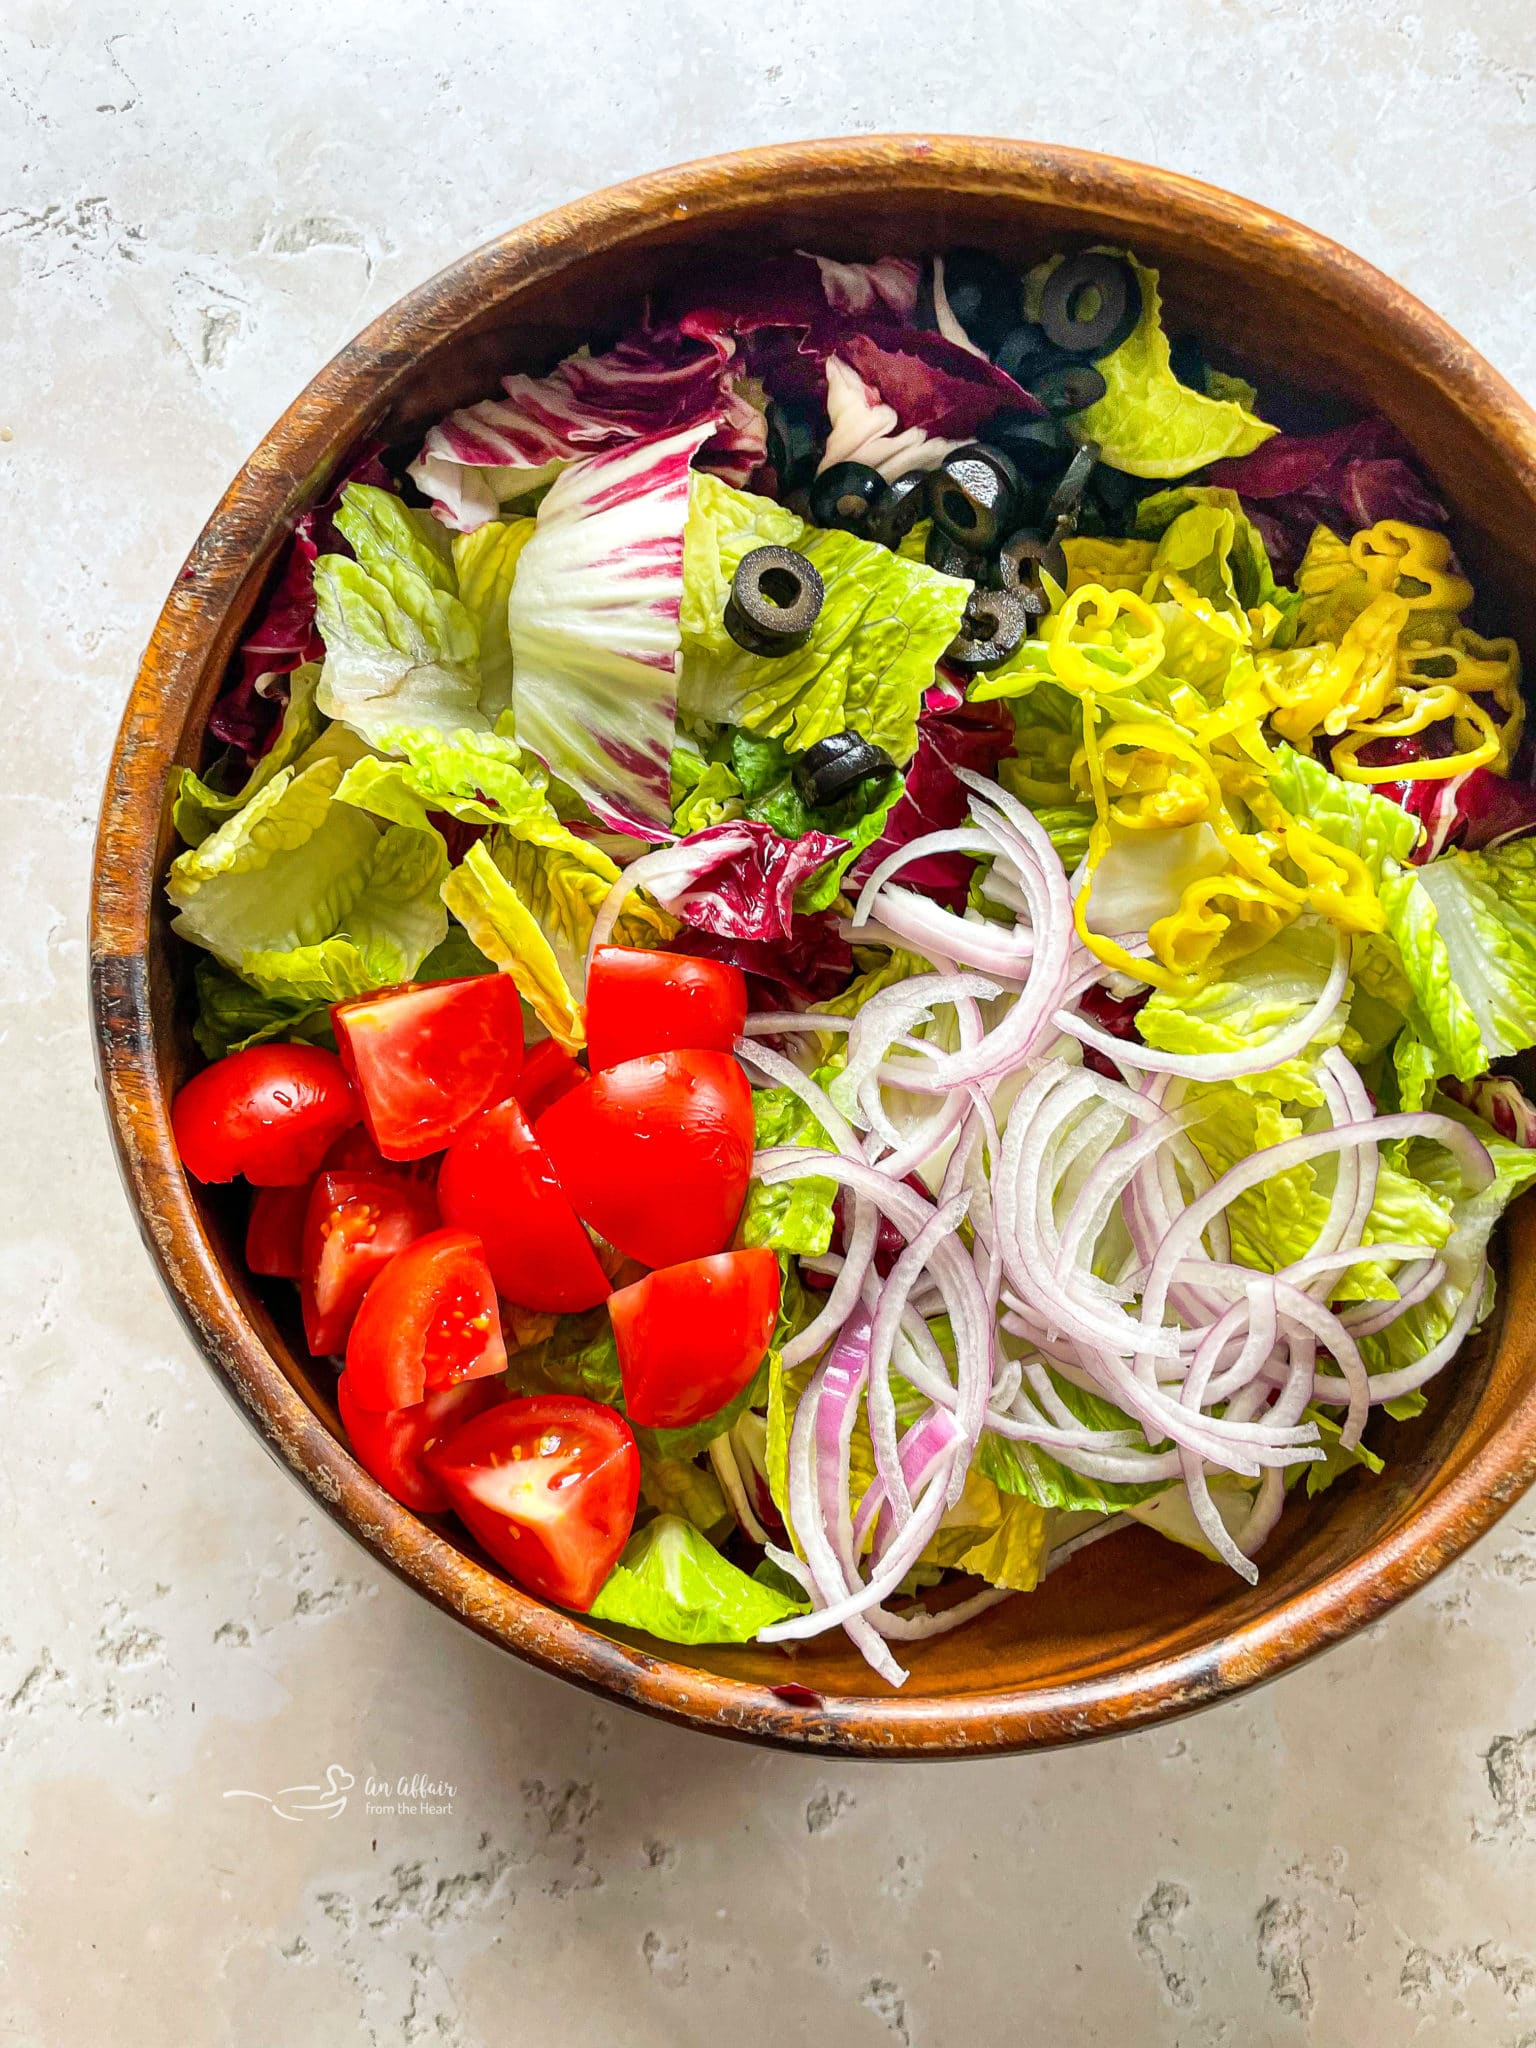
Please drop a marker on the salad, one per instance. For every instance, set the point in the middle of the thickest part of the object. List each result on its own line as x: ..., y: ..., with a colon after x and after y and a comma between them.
x: 862, y: 939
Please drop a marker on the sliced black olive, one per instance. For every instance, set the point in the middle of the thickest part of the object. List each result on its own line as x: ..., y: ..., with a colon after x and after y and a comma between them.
x: 1186, y: 359
x: 794, y: 445
x: 1024, y: 556
x: 974, y: 496
x: 776, y: 598
x: 1090, y: 304
x: 1036, y: 447
x: 1072, y: 388
x: 984, y: 295
x: 993, y: 627
x: 1066, y: 500
x: 1024, y: 353
x: 849, y: 495
x: 831, y: 768
x: 905, y: 504
x: 945, y: 554
x: 1113, y: 490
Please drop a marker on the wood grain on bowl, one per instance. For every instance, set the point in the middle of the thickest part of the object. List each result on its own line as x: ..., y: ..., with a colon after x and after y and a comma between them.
x: 1134, y: 1631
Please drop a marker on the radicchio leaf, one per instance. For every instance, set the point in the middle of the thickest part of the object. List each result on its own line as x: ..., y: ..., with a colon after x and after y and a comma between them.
x: 284, y: 634
x: 595, y: 634
x: 649, y: 385
x: 1347, y: 479
x: 744, y: 883
x: 974, y: 736
x: 814, y: 963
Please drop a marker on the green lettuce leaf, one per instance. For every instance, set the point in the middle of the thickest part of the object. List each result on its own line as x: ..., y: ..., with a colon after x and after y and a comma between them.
x: 1148, y: 423
x: 675, y: 1585
x: 884, y: 624
x: 1244, y: 559
x: 232, y: 1015
x: 704, y: 792
x: 1335, y: 1461
x: 530, y: 908
x: 1465, y: 926
x: 485, y: 563
x: 1026, y: 1469
x: 198, y: 809
x: 1346, y: 813
x: 307, y: 898
x: 762, y: 770
x: 402, y: 650
x: 792, y: 1216
x: 482, y: 778
x: 994, y: 1532
x: 1257, y: 996
x: 676, y: 1486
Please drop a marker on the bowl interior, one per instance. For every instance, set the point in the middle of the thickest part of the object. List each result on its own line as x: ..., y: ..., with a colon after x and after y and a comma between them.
x: 1134, y: 1628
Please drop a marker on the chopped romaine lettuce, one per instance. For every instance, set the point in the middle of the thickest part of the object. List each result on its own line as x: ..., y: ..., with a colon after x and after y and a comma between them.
x: 883, y: 626
x: 796, y: 1215
x: 306, y: 897
x: 1150, y: 424
x: 673, y: 1583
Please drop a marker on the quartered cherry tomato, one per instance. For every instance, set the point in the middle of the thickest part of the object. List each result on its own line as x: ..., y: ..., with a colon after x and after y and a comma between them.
x: 271, y: 1113
x: 549, y: 1072
x: 427, y: 1059
x: 641, y: 1002
x: 656, y: 1153
x: 549, y: 1485
x: 353, y: 1226
x: 690, y: 1337
x: 497, y: 1182
x: 429, y: 1321
x: 274, y: 1235
x: 391, y: 1445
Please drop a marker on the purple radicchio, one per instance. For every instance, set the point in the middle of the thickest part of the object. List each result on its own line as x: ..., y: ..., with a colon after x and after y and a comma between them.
x: 284, y: 634
x: 1345, y: 479
x: 650, y: 385
x: 974, y: 736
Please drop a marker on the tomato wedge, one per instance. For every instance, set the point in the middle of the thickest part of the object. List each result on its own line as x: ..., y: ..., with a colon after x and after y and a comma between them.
x: 497, y: 1182
x: 391, y: 1446
x: 274, y: 1235
x: 548, y: 1484
x: 271, y: 1113
x: 427, y: 1059
x: 353, y: 1226
x: 656, y: 1153
x: 549, y: 1072
x: 690, y: 1337
x: 640, y: 1002
x: 429, y: 1321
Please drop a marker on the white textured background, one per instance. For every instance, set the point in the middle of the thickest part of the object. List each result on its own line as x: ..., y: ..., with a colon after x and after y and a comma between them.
x: 198, y: 204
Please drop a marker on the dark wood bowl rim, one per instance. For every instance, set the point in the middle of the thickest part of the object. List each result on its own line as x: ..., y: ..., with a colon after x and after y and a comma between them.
x: 334, y: 411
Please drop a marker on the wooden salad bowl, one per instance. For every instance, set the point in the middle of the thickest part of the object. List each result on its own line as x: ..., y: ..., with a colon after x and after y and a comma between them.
x: 1133, y: 1631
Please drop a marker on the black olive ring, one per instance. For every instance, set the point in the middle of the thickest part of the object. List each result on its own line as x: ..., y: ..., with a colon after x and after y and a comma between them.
x: 1117, y: 306
x: 776, y: 598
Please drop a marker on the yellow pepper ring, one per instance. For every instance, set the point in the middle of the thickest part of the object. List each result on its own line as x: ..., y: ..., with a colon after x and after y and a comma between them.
x: 1463, y: 711
x: 1094, y: 611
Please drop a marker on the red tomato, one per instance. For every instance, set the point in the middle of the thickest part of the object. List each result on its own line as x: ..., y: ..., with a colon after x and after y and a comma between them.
x: 656, y: 1153
x: 691, y: 1336
x: 428, y: 1322
x: 548, y: 1073
x: 274, y: 1236
x: 426, y: 1060
x: 271, y: 1112
x: 353, y: 1226
x: 391, y: 1446
x: 639, y: 1002
x: 497, y: 1182
x: 549, y: 1485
